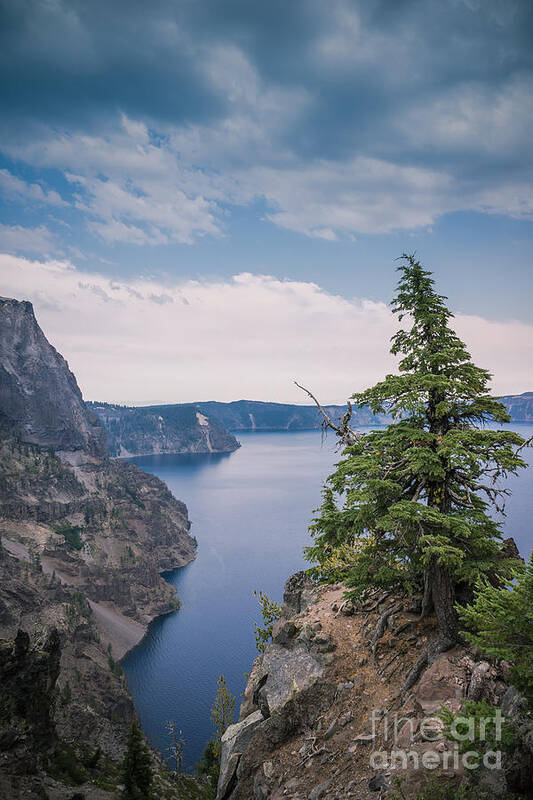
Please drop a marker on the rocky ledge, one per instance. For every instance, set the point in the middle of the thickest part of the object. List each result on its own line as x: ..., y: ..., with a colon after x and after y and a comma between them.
x: 323, y: 709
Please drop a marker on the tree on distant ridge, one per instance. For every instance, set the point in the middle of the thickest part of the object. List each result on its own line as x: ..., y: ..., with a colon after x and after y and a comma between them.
x: 408, y: 507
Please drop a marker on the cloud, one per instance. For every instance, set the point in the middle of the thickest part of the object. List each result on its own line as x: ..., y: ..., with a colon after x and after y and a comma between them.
x: 15, y: 188
x: 345, y: 118
x: 138, y: 341
x: 17, y: 239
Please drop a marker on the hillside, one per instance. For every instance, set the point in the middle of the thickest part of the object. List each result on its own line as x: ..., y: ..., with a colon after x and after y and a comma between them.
x: 161, y: 429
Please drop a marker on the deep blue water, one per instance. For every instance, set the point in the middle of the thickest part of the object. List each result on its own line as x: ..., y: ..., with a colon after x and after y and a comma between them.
x: 250, y: 511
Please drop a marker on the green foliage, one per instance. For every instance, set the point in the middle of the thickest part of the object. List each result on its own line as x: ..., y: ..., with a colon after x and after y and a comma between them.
x: 137, y: 767
x: 270, y: 611
x: 71, y: 533
x: 476, y: 728
x: 65, y: 765
x: 208, y: 769
x: 90, y: 760
x: 409, y: 505
x: 222, y: 713
x: 500, y: 623
x: 115, y: 666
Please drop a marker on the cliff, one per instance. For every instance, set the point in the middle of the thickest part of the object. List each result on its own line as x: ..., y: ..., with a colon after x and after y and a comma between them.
x: 324, y: 716
x: 39, y: 396
x: 519, y: 406
x: 161, y: 429
x: 83, y: 542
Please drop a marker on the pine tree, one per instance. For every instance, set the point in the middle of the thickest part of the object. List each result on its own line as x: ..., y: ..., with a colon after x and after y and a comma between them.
x: 222, y: 713
x: 412, y: 501
x: 500, y: 623
x: 137, y: 766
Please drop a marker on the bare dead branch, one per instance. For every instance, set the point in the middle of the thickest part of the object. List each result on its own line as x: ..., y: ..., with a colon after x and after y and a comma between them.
x: 343, y: 430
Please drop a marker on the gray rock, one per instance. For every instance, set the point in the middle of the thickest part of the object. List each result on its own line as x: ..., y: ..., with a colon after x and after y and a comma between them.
x: 288, y: 673
x: 234, y: 742
x: 477, y: 681
x: 348, y: 609
x: 283, y: 632
x: 378, y: 782
x: 319, y: 791
x: 299, y: 592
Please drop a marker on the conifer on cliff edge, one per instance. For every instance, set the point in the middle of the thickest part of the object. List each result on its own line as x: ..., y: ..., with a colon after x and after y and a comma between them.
x: 411, y: 503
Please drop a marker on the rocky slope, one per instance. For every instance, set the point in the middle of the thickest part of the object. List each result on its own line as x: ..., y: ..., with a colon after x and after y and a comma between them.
x: 161, y: 429
x: 323, y: 709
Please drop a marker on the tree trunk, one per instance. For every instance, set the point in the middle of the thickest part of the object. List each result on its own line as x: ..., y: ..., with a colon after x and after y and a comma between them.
x: 443, y: 594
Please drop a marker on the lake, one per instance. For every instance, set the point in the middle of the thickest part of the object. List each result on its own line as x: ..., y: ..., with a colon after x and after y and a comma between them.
x: 250, y: 511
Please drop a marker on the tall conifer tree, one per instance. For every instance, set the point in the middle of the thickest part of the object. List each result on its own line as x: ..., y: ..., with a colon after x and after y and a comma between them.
x: 409, y: 506
x: 137, y: 766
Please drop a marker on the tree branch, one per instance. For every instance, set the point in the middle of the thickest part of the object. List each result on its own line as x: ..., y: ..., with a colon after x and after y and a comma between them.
x: 346, y: 434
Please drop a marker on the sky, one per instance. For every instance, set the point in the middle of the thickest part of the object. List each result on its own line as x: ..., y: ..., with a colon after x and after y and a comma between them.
x: 205, y: 199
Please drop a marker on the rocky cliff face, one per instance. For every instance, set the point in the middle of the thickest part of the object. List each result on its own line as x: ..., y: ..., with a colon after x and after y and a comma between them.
x: 83, y: 542
x: 39, y: 397
x: 161, y: 429
x: 102, y: 526
x: 519, y: 406
x: 323, y: 712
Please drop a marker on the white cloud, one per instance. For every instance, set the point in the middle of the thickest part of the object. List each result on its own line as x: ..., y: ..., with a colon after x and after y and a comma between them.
x: 16, y: 189
x: 249, y: 337
x: 17, y: 239
x: 475, y: 119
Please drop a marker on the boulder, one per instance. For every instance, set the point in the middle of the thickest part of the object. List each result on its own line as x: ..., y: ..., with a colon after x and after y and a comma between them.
x: 299, y: 592
x: 234, y: 742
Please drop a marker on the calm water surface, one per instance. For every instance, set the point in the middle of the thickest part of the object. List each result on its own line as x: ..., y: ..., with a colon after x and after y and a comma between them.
x: 250, y: 511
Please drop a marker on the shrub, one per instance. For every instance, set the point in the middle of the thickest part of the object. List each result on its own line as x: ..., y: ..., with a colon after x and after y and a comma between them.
x: 270, y: 611
x: 500, y: 623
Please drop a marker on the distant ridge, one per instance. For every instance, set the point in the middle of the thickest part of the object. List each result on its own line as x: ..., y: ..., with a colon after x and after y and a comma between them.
x: 243, y: 415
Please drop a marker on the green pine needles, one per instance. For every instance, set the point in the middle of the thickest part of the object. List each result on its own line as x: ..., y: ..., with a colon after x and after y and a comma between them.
x: 409, y: 507
x: 137, y: 766
x: 500, y: 623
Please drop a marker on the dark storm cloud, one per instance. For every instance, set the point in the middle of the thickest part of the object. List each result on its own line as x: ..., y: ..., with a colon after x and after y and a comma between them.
x: 345, y: 116
x: 70, y: 62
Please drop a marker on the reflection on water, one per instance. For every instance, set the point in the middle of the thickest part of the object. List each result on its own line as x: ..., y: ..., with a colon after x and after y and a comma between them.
x: 250, y: 511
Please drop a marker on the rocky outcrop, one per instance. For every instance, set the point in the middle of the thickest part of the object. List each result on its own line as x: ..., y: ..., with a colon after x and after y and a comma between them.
x: 40, y: 400
x: 162, y: 429
x: 324, y: 714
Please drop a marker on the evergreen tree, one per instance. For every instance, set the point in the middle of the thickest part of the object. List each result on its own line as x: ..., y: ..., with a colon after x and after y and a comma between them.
x: 500, y: 623
x: 407, y: 507
x: 222, y: 713
x: 137, y: 766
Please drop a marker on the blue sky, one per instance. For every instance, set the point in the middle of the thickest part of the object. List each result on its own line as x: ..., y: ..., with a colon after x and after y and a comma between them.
x: 311, y: 142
